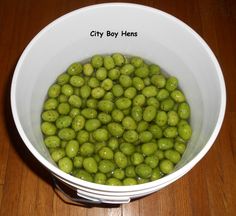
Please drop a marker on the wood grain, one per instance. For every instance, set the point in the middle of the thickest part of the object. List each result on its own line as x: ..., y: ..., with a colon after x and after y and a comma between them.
x: 208, y: 189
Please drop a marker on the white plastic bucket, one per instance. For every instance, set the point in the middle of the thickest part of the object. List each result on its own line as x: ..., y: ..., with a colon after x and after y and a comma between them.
x: 160, y: 38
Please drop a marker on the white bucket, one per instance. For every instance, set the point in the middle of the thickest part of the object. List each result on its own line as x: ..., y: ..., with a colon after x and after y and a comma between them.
x: 161, y: 39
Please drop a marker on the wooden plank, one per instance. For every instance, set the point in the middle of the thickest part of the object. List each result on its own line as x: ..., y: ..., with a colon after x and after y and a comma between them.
x: 12, y: 185
x: 28, y: 192
x: 182, y: 199
x: 131, y: 209
x: 113, y: 211
x: 98, y: 211
x: 63, y: 206
x: 156, y: 204
x: 225, y: 168
x: 198, y: 190
x: 1, y: 194
x: 59, y: 207
x: 44, y: 201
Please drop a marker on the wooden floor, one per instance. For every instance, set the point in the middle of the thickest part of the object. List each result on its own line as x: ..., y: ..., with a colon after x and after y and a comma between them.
x: 208, y: 189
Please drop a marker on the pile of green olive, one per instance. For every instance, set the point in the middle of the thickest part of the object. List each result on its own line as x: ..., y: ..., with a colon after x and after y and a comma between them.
x: 116, y: 120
